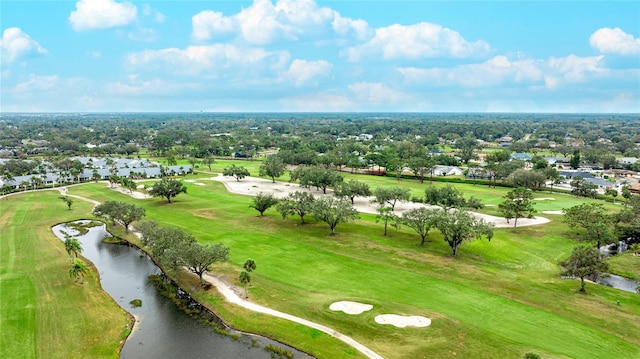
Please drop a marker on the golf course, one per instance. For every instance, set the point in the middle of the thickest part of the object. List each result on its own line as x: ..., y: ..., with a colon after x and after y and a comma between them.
x: 495, y: 299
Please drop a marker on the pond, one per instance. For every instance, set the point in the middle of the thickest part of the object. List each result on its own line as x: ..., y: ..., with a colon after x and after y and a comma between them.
x: 162, y: 330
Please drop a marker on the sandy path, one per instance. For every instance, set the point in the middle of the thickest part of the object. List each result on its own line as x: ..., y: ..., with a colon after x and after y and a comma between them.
x: 251, y: 186
x: 232, y: 297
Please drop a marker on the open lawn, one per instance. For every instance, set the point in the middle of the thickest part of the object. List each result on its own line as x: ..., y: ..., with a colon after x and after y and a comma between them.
x: 43, y: 314
x: 495, y: 300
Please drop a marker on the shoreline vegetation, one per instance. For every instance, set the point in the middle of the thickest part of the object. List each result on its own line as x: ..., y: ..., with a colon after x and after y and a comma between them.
x: 228, y: 268
x: 489, y: 298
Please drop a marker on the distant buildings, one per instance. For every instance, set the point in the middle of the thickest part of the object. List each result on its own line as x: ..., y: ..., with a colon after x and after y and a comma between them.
x: 95, y: 168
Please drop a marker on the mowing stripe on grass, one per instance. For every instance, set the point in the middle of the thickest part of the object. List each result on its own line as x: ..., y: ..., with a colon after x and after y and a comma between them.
x: 17, y: 317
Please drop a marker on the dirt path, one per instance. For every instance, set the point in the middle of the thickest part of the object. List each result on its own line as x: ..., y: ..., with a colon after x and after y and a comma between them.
x: 231, y: 296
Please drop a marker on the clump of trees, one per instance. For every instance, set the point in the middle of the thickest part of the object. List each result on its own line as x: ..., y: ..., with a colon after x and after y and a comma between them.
x: 420, y: 220
x: 237, y: 172
x: 272, y: 167
x: 584, y: 262
x: 167, y: 188
x: 390, y: 196
x: 352, y: 189
x: 594, y: 219
x: 174, y: 248
x: 262, y: 202
x: 333, y: 211
x: 121, y: 212
x: 315, y: 176
x: 459, y: 226
x: 449, y: 197
x: 296, y: 203
x: 517, y: 204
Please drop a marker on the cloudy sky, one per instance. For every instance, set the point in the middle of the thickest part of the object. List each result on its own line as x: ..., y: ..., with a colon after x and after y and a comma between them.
x: 320, y: 56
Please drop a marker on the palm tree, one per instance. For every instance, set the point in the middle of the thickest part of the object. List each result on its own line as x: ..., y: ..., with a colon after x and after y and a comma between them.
x: 78, y: 270
x: 72, y: 246
x: 245, y: 279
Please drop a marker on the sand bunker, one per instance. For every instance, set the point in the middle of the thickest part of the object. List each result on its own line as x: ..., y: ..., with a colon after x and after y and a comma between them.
x: 553, y: 212
x: 350, y: 307
x: 544, y: 199
x: 198, y: 184
x: 402, y: 321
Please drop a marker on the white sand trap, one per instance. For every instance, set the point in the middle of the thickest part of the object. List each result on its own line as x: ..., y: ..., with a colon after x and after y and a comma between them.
x: 350, y: 307
x: 553, y: 212
x: 198, y: 184
x: 402, y: 321
x: 544, y: 199
x: 190, y: 180
x: 140, y: 186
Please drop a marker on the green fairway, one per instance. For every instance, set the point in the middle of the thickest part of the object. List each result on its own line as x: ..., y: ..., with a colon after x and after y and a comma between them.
x: 43, y: 313
x: 495, y: 299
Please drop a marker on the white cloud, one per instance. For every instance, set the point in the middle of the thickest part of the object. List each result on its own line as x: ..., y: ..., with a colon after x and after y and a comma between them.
x: 101, y: 14
x: 377, y: 94
x: 37, y: 83
x: 614, y: 41
x: 264, y: 22
x: 158, y: 17
x: 422, y: 40
x: 153, y: 87
x: 321, y: 102
x: 218, y: 60
x: 576, y: 69
x: 302, y: 72
x: 500, y: 70
x: 207, y: 24
x: 15, y: 44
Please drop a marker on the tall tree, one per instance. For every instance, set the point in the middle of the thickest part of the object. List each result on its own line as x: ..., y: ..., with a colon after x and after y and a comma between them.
x: 584, y: 262
x: 262, y: 202
x: 208, y: 161
x: 575, y: 160
x: 593, y: 217
x: 272, y: 167
x: 517, y: 203
x: 122, y: 212
x: 73, y: 247
x: 296, y: 203
x: 167, y: 188
x: 390, y: 196
x: 386, y: 216
x: 245, y: 278
x: 581, y: 188
x: 420, y: 220
x: 237, y: 172
x: 446, y: 197
x: 198, y: 258
x: 334, y: 211
x: 67, y: 200
x: 352, y: 189
x: 628, y: 220
x: 533, y: 180
x: 78, y: 270
x: 459, y: 226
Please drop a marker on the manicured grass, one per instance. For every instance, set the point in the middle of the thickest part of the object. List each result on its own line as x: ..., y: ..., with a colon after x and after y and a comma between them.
x: 497, y: 299
x: 43, y: 313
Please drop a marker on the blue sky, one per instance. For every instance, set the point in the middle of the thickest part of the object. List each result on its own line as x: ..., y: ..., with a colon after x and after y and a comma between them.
x: 320, y: 56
